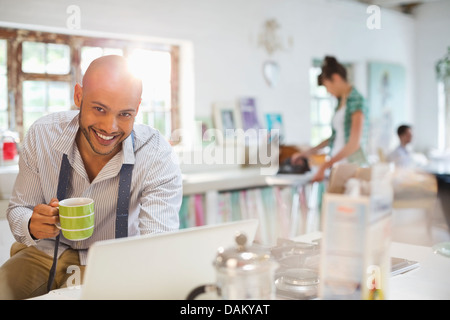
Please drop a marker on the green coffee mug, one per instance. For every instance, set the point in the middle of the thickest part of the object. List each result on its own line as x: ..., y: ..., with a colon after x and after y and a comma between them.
x: 76, y: 218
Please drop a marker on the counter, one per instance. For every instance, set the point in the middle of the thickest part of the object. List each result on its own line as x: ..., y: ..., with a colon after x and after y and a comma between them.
x: 235, y: 179
x: 8, y: 176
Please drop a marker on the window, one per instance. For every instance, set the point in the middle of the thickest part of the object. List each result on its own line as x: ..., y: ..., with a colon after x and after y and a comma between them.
x: 51, y: 58
x: 154, y: 68
x: 155, y: 108
x: 45, y: 94
x: 3, y: 87
x: 443, y: 81
x: 44, y: 97
x: 322, y: 104
x: 89, y: 54
x: 42, y: 81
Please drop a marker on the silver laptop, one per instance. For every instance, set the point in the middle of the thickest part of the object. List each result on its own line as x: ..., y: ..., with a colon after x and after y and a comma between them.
x: 162, y: 266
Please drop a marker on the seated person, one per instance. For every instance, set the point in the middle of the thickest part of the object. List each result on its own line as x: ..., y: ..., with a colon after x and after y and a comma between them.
x: 84, y: 153
x: 401, y: 156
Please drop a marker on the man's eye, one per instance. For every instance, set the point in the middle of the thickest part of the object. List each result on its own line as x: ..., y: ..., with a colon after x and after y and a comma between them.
x: 99, y: 109
x: 126, y: 114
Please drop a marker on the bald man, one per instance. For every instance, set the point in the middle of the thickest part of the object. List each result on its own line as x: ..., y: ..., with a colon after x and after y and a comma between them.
x: 87, y: 152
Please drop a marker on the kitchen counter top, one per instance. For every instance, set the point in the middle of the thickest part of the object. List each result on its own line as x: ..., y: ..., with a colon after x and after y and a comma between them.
x: 238, y: 179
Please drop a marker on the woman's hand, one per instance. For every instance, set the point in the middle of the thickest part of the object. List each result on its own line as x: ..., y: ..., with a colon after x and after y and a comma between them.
x: 320, y: 174
x: 298, y: 158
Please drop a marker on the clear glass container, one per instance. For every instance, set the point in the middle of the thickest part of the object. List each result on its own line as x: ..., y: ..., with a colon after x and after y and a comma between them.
x: 298, y: 274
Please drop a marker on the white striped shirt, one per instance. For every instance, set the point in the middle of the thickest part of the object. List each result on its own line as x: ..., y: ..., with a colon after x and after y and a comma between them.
x: 156, y: 188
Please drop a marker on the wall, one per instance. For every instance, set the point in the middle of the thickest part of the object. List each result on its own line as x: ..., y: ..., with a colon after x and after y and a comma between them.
x: 432, y: 41
x: 220, y: 38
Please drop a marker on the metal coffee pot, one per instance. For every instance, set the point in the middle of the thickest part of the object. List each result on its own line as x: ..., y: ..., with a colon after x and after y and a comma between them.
x: 242, y: 273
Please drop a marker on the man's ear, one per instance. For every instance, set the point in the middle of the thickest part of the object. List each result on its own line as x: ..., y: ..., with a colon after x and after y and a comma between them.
x: 78, y: 95
x: 137, y: 109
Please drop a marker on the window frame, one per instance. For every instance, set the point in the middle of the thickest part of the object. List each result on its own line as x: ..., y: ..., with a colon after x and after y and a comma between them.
x: 16, y: 76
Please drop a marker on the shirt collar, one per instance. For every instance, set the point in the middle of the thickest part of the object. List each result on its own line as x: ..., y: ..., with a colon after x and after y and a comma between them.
x: 66, y: 139
x: 128, y: 149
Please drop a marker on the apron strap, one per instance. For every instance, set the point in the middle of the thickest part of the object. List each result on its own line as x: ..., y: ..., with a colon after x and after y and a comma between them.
x: 63, y: 183
x: 123, y: 201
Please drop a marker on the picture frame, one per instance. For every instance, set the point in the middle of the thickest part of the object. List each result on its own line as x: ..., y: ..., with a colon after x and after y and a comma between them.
x: 226, y: 121
x: 249, y: 113
x: 203, y: 131
x: 250, y: 118
x: 275, y: 121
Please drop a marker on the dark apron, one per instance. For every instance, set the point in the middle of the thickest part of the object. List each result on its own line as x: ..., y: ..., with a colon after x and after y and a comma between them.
x: 123, y: 201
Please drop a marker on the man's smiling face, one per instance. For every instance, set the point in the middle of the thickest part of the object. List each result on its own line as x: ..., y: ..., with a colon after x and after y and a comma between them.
x: 108, y: 101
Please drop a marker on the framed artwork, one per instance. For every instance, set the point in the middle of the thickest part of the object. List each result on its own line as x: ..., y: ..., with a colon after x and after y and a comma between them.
x: 274, y: 122
x: 250, y: 119
x: 386, y: 102
x: 204, y: 131
x: 249, y: 113
x: 226, y: 121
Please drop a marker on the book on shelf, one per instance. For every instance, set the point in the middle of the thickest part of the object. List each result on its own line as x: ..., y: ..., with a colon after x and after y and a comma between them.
x: 272, y: 206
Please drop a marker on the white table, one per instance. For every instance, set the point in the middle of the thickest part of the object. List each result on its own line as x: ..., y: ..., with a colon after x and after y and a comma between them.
x: 431, y: 281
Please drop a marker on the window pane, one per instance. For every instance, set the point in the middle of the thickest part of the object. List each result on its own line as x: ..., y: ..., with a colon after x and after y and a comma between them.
x: 322, y: 107
x: 58, y: 58
x: 320, y: 133
x: 314, y: 113
x: 34, y: 101
x: 33, y: 57
x: 58, y: 96
x: 3, y: 87
x: 326, y: 111
x: 3, y: 93
x: 3, y: 103
x: 325, y: 132
x: 154, y: 68
x: 159, y: 121
x: 43, y: 97
x: 313, y: 74
x: 34, y: 96
x: 116, y: 51
x: 321, y: 91
x: 89, y: 54
x: 39, y: 57
x: 315, y: 136
x: 3, y: 57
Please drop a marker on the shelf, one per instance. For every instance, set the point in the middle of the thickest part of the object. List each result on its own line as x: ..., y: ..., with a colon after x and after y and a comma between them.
x: 236, y: 179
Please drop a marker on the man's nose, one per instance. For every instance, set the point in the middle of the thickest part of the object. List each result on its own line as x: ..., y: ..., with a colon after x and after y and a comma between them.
x: 110, y: 125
